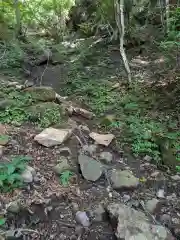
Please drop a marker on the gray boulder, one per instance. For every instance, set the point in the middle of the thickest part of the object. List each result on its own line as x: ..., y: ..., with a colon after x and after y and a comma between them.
x: 123, y: 179
x: 90, y: 168
x: 135, y: 225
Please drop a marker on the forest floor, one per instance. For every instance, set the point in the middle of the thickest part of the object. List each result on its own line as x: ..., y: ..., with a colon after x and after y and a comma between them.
x: 91, y: 74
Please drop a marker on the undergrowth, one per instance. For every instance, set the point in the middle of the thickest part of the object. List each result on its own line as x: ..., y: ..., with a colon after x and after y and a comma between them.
x: 142, y: 125
x: 10, y: 173
x: 11, y: 58
x: 18, y: 107
x: 65, y: 177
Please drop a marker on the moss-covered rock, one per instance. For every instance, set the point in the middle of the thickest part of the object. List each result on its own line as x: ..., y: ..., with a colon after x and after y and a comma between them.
x: 46, y: 114
x: 5, y: 103
x: 44, y: 94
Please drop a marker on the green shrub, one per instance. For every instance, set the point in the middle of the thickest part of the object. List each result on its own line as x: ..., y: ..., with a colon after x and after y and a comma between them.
x: 10, y: 173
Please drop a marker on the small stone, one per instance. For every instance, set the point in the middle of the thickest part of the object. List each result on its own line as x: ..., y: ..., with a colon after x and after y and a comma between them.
x: 1, y: 151
x: 155, y: 174
x: 175, y: 220
x: 82, y: 218
x: 102, y: 139
x: 90, y: 168
x: 51, y: 136
x: 106, y: 157
x: 32, y: 170
x: 147, y: 158
x: 61, y: 166
x: 99, y: 213
x: 65, y: 151
x: 175, y: 178
x: 126, y: 198
x: 135, y: 203
x: 2, y: 129
x: 84, y: 128
x: 91, y: 149
x: 165, y: 219
x: 151, y: 205
x: 160, y: 193
x: 123, y: 179
x: 83, y: 112
x: 49, y: 208
x: 27, y: 176
x: 4, y: 139
x: 13, y: 234
x: 14, y: 207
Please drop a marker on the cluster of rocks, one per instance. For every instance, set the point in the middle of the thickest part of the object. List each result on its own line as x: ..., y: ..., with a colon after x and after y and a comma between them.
x: 129, y: 224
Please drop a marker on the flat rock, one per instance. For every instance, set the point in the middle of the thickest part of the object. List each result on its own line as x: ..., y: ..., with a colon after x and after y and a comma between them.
x: 135, y: 225
x: 52, y: 137
x: 102, y: 139
x: 82, y: 218
x: 90, y: 168
x: 123, y: 179
x: 106, y: 157
x: 151, y: 205
x: 160, y: 193
x: 175, y: 178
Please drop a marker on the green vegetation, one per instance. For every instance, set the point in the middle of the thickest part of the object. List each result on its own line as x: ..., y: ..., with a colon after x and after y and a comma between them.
x: 65, y: 177
x: 19, y: 107
x: 147, y: 113
x: 10, y: 173
x: 141, y: 123
x: 2, y: 221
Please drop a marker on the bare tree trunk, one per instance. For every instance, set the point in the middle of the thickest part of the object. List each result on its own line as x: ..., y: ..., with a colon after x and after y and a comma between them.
x: 18, y: 18
x: 167, y: 15
x: 161, y: 4
x: 119, y: 16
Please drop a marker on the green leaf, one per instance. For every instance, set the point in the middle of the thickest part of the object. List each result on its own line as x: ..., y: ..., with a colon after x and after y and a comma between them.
x: 10, y: 169
x: 21, y: 166
x: 13, y: 177
x: 3, y: 177
x: 65, y: 176
x: 2, y: 221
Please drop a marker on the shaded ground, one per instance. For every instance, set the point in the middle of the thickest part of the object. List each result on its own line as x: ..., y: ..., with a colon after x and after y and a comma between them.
x: 49, y: 207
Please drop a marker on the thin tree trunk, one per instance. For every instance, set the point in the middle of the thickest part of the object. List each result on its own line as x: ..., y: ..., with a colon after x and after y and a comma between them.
x: 161, y: 5
x: 119, y: 16
x: 18, y: 19
x: 167, y: 16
